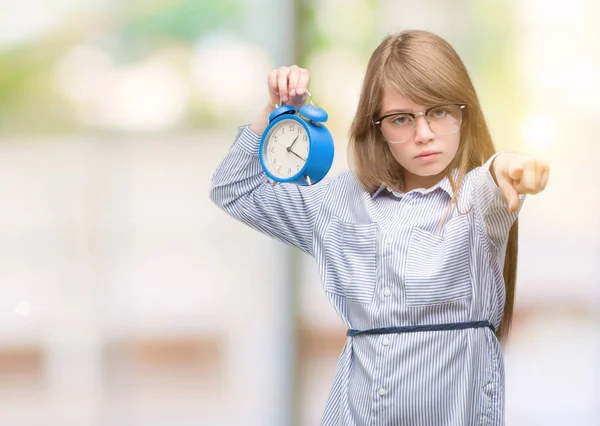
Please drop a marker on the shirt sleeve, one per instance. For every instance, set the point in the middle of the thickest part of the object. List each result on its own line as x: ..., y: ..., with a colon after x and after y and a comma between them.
x: 492, y: 206
x: 286, y: 212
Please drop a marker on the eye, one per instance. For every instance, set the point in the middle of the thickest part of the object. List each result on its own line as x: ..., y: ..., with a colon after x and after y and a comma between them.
x: 400, y: 120
x: 438, y: 113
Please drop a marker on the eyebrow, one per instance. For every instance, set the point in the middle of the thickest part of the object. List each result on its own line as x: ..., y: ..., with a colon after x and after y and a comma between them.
x: 397, y: 111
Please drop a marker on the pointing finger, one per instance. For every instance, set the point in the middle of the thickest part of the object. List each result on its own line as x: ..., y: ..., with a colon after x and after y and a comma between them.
x: 510, y: 193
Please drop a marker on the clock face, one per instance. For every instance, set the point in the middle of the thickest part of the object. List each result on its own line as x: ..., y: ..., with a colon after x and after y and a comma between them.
x: 286, y: 148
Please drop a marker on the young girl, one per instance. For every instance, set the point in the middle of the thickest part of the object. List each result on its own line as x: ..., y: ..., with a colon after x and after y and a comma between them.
x: 416, y: 246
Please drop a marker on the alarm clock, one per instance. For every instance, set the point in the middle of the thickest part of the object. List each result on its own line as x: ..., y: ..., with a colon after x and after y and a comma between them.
x: 296, y: 147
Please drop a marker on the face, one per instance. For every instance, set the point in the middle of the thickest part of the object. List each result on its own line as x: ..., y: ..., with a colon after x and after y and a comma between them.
x: 286, y: 148
x: 421, y: 170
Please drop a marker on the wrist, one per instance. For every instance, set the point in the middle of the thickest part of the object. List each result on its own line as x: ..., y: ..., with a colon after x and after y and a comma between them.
x: 262, y: 120
x: 499, y: 163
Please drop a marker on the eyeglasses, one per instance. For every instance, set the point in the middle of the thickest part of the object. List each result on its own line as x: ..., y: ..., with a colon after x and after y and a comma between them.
x: 399, y: 127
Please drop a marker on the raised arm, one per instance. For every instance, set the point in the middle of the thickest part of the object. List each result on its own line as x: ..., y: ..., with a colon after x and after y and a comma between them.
x: 241, y: 188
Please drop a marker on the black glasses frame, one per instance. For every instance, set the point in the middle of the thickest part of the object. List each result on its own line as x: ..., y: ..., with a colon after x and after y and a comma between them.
x: 414, y: 115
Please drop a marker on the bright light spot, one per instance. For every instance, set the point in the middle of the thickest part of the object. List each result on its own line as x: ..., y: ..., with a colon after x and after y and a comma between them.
x: 559, y: 82
x: 82, y: 73
x: 540, y: 130
x: 231, y: 74
x: 27, y: 19
x: 152, y: 96
x: 145, y: 97
x: 537, y: 11
x: 23, y: 309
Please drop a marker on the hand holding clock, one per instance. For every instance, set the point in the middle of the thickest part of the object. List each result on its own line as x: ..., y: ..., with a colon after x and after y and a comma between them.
x: 285, y: 84
x: 288, y: 85
x: 295, y: 144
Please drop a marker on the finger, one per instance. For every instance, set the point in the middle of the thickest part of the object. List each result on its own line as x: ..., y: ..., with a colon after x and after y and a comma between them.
x: 303, y: 81
x: 515, y: 170
x: 273, y: 88
x: 510, y: 193
x: 293, y: 79
x: 282, y: 83
x: 272, y: 81
x: 528, y: 181
x: 521, y: 189
x: 544, y: 178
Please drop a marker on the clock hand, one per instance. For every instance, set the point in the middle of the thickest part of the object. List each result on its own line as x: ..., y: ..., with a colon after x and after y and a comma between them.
x: 289, y: 148
x: 303, y: 159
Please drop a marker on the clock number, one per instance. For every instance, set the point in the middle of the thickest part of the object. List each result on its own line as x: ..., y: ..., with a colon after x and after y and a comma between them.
x: 275, y: 137
x: 305, y: 138
x: 291, y: 127
x: 272, y: 149
x: 297, y: 168
x: 289, y: 171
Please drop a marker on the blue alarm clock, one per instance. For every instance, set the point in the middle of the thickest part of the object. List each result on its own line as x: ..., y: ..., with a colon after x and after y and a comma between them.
x: 296, y: 147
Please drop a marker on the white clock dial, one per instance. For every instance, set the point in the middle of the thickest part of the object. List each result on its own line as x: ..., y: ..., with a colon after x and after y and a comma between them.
x: 286, y: 148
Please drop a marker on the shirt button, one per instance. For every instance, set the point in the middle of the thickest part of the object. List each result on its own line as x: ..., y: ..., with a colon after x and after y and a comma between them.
x: 389, y: 241
x: 382, y: 391
x: 387, y: 291
x: 386, y: 341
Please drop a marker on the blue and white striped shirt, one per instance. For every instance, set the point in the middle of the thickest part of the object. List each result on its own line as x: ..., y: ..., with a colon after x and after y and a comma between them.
x: 383, y: 263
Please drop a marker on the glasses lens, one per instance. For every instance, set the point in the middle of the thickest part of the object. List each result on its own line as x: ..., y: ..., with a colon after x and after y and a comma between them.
x: 397, y: 128
x: 445, y: 119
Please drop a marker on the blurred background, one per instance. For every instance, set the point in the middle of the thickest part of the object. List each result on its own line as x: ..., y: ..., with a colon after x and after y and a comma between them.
x: 127, y: 298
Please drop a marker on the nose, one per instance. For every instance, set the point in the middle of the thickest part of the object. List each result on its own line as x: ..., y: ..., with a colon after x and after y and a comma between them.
x: 423, y: 133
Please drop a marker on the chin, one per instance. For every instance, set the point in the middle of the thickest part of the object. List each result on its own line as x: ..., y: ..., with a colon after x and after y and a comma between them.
x: 427, y: 169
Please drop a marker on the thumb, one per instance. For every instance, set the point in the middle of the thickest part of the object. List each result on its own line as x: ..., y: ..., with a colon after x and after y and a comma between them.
x: 510, y: 193
x: 515, y: 171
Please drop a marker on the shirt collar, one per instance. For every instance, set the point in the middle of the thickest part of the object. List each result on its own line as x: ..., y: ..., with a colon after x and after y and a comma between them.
x: 443, y: 184
x: 381, y: 188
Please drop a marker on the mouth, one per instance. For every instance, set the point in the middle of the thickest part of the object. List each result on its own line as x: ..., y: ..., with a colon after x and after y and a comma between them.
x: 427, y: 155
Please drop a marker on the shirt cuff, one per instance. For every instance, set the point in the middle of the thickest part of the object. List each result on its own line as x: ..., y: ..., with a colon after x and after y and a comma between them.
x: 248, y: 141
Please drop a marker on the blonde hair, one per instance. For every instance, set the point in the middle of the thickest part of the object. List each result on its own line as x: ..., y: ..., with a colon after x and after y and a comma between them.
x: 425, y: 69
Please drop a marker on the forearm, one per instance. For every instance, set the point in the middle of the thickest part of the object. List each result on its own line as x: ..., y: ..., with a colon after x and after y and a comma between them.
x: 241, y: 188
x: 490, y: 202
x: 239, y: 172
x: 262, y: 120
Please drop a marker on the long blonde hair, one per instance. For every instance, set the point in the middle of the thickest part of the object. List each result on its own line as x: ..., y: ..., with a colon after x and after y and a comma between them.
x: 424, y: 68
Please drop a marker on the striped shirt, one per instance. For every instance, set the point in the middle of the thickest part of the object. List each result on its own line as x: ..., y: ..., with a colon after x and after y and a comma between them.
x: 384, y: 261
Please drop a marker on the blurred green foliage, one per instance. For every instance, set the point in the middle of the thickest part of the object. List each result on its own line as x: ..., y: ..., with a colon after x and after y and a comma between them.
x: 186, y: 20
x: 31, y: 103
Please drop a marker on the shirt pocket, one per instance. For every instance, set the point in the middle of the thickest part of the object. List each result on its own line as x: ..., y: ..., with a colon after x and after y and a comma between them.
x: 351, y: 260
x: 437, y: 267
